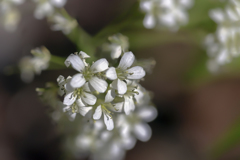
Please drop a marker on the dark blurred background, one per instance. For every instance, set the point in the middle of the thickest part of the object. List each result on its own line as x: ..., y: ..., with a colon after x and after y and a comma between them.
x: 191, y: 118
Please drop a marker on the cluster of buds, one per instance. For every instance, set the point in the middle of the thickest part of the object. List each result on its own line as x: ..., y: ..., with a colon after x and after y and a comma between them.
x: 118, y: 45
x: 106, y: 95
x: 170, y: 13
x: 29, y: 66
x: 223, y: 45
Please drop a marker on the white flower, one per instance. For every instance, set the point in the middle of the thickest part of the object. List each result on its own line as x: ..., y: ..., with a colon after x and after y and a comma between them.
x: 81, y: 94
x: 170, y: 13
x: 78, y: 100
x: 63, y: 24
x: 124, y: 72
x: 88, y: 74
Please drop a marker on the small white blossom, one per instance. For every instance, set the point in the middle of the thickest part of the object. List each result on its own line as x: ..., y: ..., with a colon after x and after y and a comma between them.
x: 78, y: 100
x: 87, y: 73
x: 124, y: 72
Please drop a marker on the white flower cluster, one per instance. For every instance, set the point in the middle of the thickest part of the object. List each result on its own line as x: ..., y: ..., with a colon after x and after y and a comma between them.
x: 112, y: 93
x: 9, y: 14
x: 167, y: 13
x: 29, y: 66
x: 89, y: 89
x: 224, y: 44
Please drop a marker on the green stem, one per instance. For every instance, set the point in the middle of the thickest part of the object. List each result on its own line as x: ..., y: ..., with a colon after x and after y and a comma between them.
x: 57, y: 60
x: 80, y: 37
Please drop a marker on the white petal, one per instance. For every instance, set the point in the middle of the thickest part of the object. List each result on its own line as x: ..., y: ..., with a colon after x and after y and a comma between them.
x: 88, y: 88
x: 217, y: 15
x: 148, y: 113
x: 111, y: 73
x: 69, y: 99
x: 80, y: 102
x: 116, y: 52
x: 83, y: 55
x: 110, y: 95
x: 99, y: 66
x: 120, y: 85
x: 75, y: 61
x: 60, y: 79
x: 98, y: 113
x: 72, y: 117
x: 129, y: 142
x: 58, y: 3
x: 142, y: 131
x: 88, y: 98
x: 77, y: 81
x: 128, y: 105
x: 149, y: 21
x: 126, y: 60
x: 146, y: 5
x: 84, y: 110
x: 136, y: 72
x: 168, y: 20
x: 67, y: 108
x: 98, y: 84
x: 68, y: 87
x: 108, y: 122
x: 186, y: 3
x: 118, y: 107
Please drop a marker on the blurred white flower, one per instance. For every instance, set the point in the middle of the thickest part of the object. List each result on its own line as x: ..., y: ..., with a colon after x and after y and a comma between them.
x: 223, y: 45
x: 170, y: 13
x: 46, y: 8
x: 63, y: 24
x: 9, y: 14
x: 34, y: 65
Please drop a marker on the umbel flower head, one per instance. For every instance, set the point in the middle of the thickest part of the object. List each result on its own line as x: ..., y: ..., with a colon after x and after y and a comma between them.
x: 89, y: 89
x: 114, y: 108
